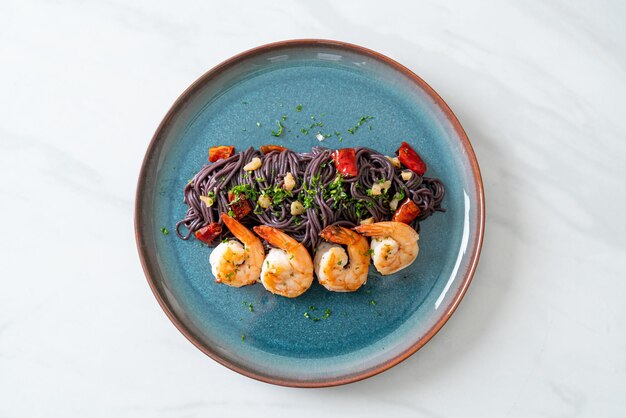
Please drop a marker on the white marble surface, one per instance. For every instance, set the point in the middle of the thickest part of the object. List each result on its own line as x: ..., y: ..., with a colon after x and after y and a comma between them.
x: 539, y: 87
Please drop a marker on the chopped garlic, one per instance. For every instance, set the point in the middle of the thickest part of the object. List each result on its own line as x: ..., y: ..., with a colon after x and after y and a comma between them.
x: 320, y: 137
x: 207, y: 200
x: 393, y: 205
x: 254, y: 164
x: 289, y: 182
x: 394, y: 161
x: 264, y: 201
x: 367, y: 221
x: 379, y: 188
x: 406, y: 175
x: 297, y: 208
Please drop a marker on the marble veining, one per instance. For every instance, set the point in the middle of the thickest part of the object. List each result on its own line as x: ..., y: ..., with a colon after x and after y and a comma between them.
x: 539, y: 88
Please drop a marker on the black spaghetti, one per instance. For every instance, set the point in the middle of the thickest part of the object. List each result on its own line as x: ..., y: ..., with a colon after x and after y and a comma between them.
x: 321, y: 195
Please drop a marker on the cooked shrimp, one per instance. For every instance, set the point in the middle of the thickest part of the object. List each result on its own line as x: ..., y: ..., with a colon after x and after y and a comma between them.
x: 337, y: 270
x: 394, y: 245
x: 288, y: 269
x: 235, y: 264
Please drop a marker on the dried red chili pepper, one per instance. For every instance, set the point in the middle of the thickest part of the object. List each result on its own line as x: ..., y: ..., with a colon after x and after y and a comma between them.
x: 239, y: 205
x: 411, y: 159
x: 221, y: 152
x: 266, y: 149
x: 208, y: 233
x: 345, y: 162
x: 406, y: 212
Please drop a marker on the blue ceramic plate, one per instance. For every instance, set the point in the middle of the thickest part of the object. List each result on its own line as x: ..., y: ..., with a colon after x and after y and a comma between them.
x: 268, y: 337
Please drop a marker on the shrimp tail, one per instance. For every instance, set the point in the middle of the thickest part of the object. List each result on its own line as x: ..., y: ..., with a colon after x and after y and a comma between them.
x: 338, y: 235
x: 373, y: 230
x: 240, y: 232
x: 276, y: 237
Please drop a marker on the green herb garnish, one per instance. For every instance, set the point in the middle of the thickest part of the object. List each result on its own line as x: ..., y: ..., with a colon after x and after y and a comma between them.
x: 360, y: 208
x: 399, y: 195
x: 277, y: 194
x: 244, y: 190
x: 364, y: 119
x: 164, y: 231
x: 280, y: 129
x: 299, y: 108
x: 336, y: 191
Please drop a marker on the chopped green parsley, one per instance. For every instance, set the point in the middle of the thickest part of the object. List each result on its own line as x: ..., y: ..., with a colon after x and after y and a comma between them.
x: 364, y: 119
x: 244, y: 190
x: 312, y: 308
x: 280, y: 129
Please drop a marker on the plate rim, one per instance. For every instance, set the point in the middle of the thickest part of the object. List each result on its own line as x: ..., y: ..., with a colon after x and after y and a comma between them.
x: 308, y: 43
